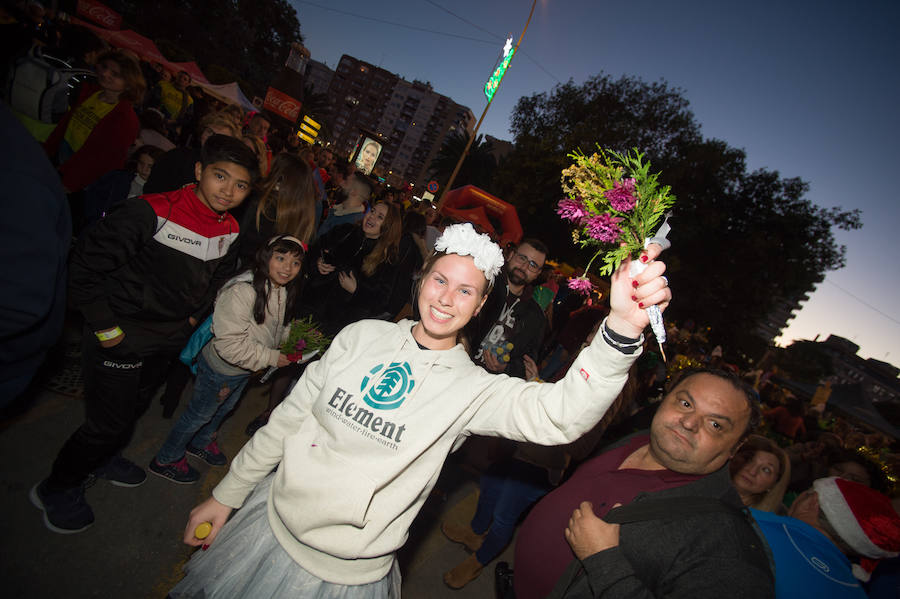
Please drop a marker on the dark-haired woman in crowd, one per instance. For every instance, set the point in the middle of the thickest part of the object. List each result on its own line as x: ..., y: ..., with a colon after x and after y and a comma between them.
x: 93, y: 138
x: 355, y: 270
x: 283, y: 203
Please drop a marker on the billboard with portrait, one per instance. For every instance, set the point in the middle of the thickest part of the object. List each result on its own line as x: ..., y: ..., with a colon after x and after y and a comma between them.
x: 369, y: 152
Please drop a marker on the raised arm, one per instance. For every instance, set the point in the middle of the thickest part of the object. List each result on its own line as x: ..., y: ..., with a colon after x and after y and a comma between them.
x: 554, y: 414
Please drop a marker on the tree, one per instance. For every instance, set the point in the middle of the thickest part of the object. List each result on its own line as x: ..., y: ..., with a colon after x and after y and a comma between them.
x: 741, y: 239
x: 252, y: 37
x: 745, y: 249
x: 478, y: 167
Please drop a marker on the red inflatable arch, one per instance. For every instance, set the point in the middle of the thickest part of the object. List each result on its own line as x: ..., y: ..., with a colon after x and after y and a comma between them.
x: 495, y: 217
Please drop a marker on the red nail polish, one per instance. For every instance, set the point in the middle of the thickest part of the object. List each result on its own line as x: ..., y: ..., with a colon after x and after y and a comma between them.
x: 204, y: 548
x: 644, y: 258
x: 634, y: 298
x: 640, y: 304
x: 634, y: 283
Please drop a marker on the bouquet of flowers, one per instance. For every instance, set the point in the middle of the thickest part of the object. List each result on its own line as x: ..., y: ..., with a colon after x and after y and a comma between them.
x: 616, y: 205
x: 304, y: 336
x: 304, y: 341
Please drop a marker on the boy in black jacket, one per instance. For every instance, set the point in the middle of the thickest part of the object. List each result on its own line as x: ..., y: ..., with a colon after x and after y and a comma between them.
x: 142, y: 277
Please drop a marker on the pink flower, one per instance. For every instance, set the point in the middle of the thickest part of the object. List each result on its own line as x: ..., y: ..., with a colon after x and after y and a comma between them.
x: 621, y: 196
x: 604, y: 227
x: 301, y: 344
x: 572, y: 210
x: 581, y: 285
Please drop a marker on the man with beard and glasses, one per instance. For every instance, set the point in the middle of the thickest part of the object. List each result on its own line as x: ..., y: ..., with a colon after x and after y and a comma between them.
x: 510, y: 315
x: 512, y: 482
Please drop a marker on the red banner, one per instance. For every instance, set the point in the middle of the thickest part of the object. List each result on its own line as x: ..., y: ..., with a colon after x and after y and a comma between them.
x: 282, y: 104
x: 99, y: 13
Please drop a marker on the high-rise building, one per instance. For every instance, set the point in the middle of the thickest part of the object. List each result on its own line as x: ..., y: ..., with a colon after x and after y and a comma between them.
x: 770, y: 326
x: 410, y: 119
x: 318, y: 77
x: 878, y: 378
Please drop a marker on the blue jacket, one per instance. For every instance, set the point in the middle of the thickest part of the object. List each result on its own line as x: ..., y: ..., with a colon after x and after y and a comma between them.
x: 34, y: 243
x: 807, y: 563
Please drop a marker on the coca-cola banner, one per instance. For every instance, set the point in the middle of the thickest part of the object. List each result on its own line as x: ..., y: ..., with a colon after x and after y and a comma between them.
x: 99, y: 13
x: 282, y: 104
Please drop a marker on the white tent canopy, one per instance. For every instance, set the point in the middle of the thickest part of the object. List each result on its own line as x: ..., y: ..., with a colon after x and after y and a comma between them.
x: 229, y: 92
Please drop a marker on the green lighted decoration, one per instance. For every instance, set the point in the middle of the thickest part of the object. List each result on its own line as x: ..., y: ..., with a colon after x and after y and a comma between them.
x: 490, y: 88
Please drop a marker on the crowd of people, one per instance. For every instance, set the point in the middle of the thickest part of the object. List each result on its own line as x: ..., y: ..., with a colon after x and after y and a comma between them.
x: 171, y: 219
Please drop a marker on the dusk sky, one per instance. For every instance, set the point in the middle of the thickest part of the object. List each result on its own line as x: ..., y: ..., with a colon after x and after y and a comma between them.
x: 808, y: 88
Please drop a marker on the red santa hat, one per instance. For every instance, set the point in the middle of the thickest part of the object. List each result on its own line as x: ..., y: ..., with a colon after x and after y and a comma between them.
x: 863, y: 518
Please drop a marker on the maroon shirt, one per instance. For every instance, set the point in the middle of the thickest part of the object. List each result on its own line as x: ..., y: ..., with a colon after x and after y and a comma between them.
x: 542, y: 553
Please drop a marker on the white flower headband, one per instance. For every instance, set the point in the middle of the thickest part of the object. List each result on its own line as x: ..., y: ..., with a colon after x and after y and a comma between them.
x: 464, y: 240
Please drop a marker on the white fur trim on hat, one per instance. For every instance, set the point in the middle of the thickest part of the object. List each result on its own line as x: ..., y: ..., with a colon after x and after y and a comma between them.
x: 464, y: 240
x: 860, y: 573
x: 841, y: 517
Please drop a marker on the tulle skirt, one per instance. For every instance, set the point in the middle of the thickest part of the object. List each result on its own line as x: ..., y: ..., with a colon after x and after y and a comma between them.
x: 246, y: 561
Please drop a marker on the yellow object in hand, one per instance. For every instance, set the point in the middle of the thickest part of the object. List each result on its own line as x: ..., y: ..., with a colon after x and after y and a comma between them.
x: 203, y: 529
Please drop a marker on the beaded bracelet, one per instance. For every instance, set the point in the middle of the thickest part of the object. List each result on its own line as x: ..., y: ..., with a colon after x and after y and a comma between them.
x: 628, y: 345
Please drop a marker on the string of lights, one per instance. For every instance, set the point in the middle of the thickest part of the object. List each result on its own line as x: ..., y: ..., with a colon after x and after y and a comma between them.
x: 491, y: 33
x: 432, y: 31
x: 395, y: 24
x: 865, y: 303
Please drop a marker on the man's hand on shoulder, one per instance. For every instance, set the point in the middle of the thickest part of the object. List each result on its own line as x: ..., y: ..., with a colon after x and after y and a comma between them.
x: 587, y: 534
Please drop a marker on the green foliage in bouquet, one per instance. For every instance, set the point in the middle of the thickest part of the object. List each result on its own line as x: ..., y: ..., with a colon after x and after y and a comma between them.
x: 615, y: 203
x: 304, y: 336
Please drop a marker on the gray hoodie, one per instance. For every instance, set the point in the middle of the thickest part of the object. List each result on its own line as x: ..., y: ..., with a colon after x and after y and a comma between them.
x: 361, y: 439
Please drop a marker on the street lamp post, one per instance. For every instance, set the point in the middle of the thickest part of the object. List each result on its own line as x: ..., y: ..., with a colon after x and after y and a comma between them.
x: 472, y: 137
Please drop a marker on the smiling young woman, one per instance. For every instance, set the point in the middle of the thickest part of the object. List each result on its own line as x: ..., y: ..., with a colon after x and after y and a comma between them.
x: 451, y: 291
x: 359, y: 441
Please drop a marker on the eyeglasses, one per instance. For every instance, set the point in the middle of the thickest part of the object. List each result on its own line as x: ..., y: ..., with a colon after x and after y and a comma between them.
x: 531, y: 264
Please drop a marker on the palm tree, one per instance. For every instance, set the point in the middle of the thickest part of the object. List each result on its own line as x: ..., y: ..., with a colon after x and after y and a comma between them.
x: 477, y: 169
x: 319, y: 108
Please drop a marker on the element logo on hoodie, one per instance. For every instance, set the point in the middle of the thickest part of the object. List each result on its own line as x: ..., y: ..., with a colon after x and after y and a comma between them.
x: 389, y: 390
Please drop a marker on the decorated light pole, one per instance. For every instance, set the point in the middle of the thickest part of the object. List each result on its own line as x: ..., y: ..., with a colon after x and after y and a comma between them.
x: 490, y: 88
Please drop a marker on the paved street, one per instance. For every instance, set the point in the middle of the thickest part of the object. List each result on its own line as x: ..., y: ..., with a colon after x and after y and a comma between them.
x: 134, y: 548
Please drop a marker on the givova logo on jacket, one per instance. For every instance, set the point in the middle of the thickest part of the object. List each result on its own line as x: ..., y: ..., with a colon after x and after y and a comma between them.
x: 391, y: 389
